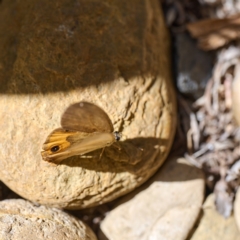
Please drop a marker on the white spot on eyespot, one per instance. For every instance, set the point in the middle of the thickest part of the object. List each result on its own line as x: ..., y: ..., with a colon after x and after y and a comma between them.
x: 81, y: 104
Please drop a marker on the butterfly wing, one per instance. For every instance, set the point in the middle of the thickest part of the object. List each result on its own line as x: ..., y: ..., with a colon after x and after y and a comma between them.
x: 61, y: 144
x: 86, y: 117
x: 86, y: 127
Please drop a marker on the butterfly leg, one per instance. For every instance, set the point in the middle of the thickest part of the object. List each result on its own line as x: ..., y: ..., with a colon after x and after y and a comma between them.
x: 101, y: 153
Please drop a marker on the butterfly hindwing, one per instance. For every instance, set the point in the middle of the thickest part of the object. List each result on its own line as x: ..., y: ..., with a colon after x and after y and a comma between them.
x: 86, y: 117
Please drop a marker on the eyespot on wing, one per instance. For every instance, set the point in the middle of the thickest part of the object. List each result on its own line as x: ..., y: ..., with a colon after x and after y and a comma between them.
x: 86, y: 117
x: 56, y: 142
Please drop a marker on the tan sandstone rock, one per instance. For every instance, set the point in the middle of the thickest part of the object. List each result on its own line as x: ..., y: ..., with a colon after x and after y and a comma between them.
x: 213, y: 226
x: 20, y: 219
x: 235, y: 94
x: 237, y: 209
x: 114, y: 54
x: 166, y: 207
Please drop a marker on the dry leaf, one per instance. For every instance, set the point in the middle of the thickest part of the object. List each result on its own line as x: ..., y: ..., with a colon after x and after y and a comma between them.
x: 215, y: 33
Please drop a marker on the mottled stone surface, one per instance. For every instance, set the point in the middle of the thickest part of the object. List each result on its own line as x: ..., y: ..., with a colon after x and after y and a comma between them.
x: 213, y: 226
x: 166, y: 207
x: 20, y: 219
x: 114, y: 55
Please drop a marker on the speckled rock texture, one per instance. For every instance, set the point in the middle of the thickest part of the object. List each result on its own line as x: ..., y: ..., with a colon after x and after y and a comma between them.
x: 20, y: 219
x: 55, y: 53
x: 165, y: 207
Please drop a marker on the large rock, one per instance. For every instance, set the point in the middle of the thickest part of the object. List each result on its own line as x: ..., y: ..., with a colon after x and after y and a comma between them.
x: 20, y: 219
x: 166, y: 207
x: 114, y: 55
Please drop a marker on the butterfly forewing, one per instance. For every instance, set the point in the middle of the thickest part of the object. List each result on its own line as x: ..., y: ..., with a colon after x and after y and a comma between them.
x: 86, y: 117
x: 61, y: 144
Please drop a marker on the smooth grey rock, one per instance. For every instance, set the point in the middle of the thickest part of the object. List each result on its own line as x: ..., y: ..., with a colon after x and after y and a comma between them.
x: 193, y: 66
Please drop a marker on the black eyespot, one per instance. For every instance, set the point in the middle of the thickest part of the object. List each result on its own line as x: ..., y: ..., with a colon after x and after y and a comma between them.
x: 55, y: 148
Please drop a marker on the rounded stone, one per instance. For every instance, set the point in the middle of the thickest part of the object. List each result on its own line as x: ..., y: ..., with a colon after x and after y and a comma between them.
x: 20, y: 219
x: 113, y: 55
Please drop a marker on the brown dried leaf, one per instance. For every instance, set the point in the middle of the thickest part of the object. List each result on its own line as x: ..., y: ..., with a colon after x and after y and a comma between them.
x: 215, y: 33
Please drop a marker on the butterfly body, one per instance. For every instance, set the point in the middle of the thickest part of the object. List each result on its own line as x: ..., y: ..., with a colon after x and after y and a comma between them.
x: 85, y: 128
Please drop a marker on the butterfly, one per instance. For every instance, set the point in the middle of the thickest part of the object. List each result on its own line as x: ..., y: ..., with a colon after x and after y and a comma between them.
x: 85, y: 128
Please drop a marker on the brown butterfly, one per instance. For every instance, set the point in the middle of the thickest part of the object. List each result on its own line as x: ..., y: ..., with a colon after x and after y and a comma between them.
x: 85, y: 128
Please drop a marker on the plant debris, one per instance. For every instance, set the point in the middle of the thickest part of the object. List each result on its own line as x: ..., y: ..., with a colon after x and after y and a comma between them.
x: 211, y: 133
x: 213, y: 139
